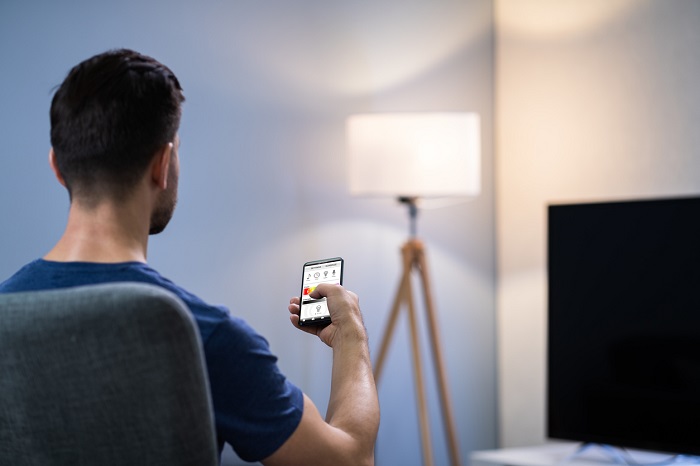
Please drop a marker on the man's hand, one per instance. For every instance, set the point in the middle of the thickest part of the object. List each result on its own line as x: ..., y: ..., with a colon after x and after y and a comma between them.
x: 344, y: 308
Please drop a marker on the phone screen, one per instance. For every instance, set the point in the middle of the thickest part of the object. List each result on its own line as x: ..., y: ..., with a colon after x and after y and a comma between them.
x: 315, y: 311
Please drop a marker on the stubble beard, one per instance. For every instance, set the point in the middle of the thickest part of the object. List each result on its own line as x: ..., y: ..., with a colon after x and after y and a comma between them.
x: 166, y: 207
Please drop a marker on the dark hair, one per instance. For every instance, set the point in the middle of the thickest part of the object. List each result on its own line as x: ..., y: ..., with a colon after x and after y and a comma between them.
x: 109, y: 117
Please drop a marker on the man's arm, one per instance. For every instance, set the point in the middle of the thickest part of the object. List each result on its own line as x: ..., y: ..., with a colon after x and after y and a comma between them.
x: 348, y: 433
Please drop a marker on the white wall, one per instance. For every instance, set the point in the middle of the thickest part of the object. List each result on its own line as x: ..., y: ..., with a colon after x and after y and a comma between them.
x: 596, y: 99
x: 263, y: 189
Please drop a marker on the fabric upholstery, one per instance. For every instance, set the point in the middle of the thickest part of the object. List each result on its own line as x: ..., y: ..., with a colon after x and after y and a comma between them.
x: 102, y: 375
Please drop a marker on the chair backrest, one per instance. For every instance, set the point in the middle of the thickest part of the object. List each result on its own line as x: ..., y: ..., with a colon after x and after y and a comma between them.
x: 102, y: 375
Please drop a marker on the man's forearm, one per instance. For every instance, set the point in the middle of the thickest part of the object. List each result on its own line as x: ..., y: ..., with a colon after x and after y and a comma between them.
x: 348, y: 434
x: 353, y: 406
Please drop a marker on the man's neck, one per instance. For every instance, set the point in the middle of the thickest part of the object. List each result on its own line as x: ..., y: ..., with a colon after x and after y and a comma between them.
x: 107, y: 233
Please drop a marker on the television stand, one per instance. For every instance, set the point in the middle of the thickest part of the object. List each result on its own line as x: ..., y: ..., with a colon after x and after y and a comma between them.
x: 614, y: 454
x: 574, y: 454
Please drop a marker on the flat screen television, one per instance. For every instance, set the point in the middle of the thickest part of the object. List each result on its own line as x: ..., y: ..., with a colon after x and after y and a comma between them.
x: 623, y: 354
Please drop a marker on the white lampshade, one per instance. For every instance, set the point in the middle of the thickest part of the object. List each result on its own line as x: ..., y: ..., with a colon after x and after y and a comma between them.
x: 414, y: 154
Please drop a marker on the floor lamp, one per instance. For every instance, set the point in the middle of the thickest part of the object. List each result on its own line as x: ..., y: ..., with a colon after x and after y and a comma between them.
x: 413, y: 156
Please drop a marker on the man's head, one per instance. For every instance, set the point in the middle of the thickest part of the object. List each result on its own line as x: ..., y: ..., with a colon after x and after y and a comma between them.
x: 110, y: 117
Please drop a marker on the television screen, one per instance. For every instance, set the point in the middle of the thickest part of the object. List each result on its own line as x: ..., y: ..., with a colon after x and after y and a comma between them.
x: 624, y: 324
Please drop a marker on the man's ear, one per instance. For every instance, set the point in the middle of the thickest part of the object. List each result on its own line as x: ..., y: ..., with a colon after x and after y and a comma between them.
x: 54, y: 167
x: 161, y: 166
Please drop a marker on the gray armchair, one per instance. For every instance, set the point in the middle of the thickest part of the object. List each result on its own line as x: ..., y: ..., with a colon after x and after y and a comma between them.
x: 102, y: 375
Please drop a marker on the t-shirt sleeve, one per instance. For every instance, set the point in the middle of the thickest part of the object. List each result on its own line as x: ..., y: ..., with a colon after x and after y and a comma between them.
x: 256, y: 407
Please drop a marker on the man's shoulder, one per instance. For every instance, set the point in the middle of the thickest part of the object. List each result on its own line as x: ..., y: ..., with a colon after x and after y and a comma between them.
x: 41, y: 274
x: 24, y: 279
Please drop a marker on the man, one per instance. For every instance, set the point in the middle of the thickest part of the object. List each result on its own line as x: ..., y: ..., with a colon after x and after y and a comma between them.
x: 114, y: 124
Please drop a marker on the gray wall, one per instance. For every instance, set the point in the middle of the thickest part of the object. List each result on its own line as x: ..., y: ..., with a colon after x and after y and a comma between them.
x: 597, y: 99
x: 263, y: 179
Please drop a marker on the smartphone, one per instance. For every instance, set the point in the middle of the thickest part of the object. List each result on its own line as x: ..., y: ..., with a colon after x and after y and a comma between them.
x: 315, y: 311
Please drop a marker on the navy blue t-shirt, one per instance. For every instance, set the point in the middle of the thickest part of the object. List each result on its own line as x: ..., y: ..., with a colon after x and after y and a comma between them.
x: 256, y: 408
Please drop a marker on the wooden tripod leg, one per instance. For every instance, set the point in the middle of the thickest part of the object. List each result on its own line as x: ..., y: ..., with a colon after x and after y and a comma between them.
x: 418, y: 376
x: 389, y: 331
x: 447, y: 412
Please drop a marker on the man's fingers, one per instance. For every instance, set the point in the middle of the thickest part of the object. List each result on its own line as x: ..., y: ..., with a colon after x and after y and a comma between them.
x: 323, y: 290
x: 293, y: 308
